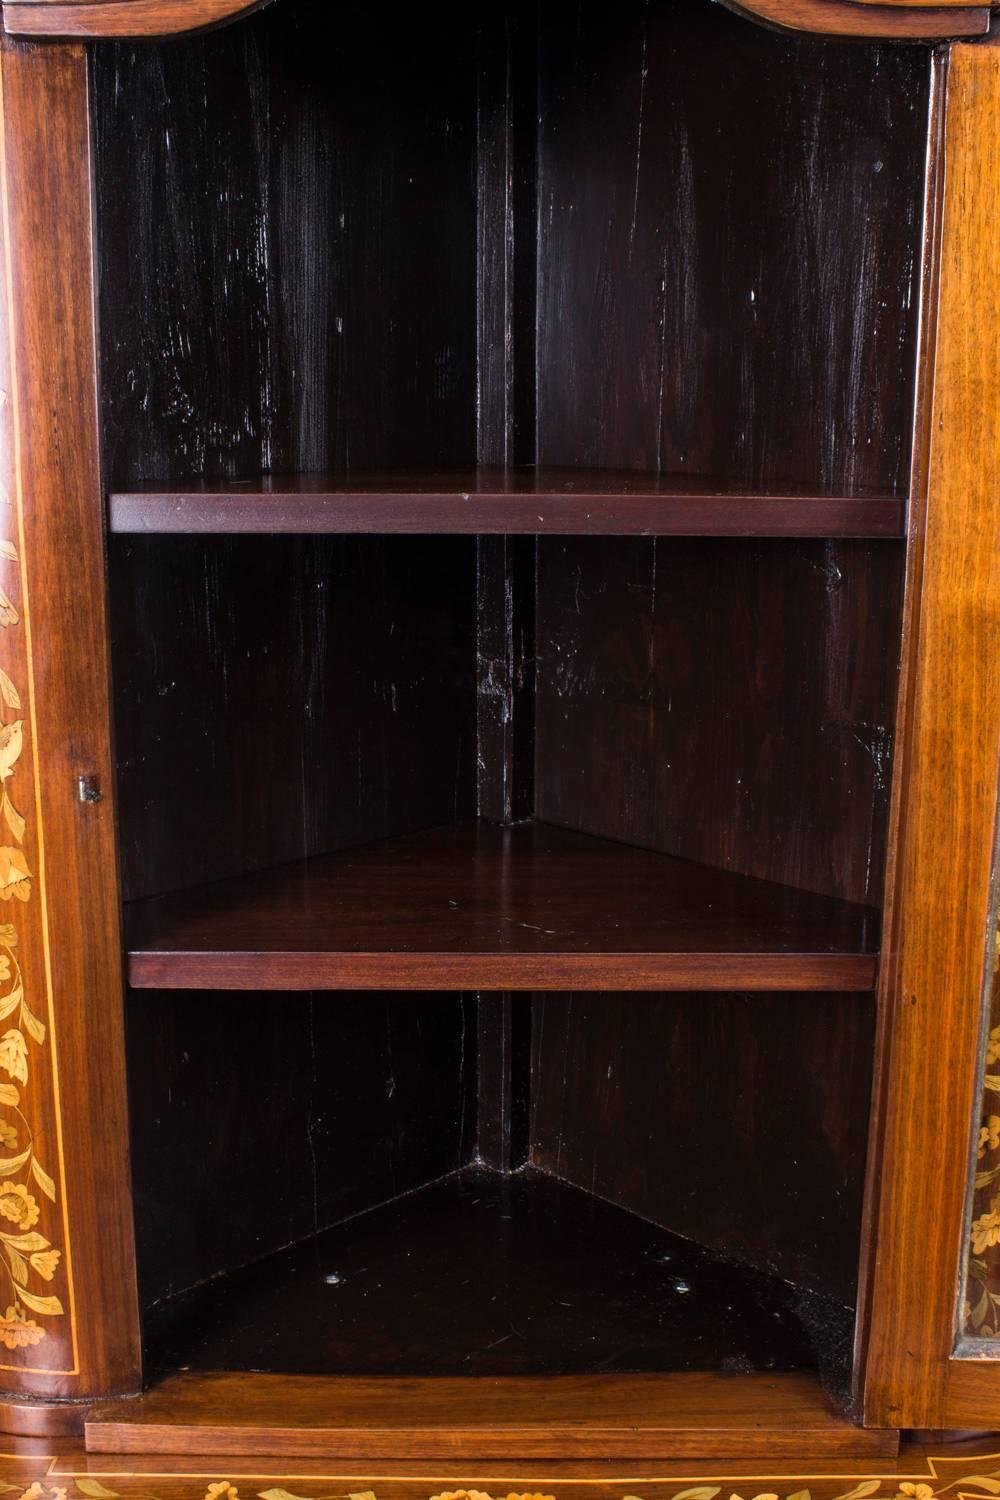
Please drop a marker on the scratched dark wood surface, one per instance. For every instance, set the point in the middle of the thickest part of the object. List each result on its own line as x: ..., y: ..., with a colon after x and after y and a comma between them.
x: 729, y: 702
x: 377, y: 317
x: 756, y: 1145
x: 329, y: 1113
x: 302, y: 696
x: 516, y: 1276
x: 331, y: 248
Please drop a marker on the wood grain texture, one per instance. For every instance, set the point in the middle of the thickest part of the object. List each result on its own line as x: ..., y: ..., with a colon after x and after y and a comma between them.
x: 688, y: 1415
x: 144, y: 18
x: 268, y: 725
x: 51, y: 480
x: 380, y: 318
x: 727, y: 702
x: 716, y: 301
x: 488, y: 1275
x: 119, y: 18
x: 375, y: 1097
x: 518, y: 502
x: 772, y: 1091
x: 289, y: 246
x: 947, y: 804
x: 944, y: 1462
x: 41, y: 1419
x: 870, y: 18
x: 483, y: 907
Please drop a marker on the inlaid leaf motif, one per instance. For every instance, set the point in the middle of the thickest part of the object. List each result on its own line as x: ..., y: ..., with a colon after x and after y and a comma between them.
x: 49, y: 1307
x: 14, y: 1054
x: 95, y: 1490
x: 10, y: 1165
x: 18, y: 1266
x: 8, y: 550
x: 43, y: 1179
x: 8, y: 1005
x: 8, y: 692
x: 13, y: 819
x: 15, y: 877
x: 8, y: 614
x: 11, y: 745
x: 26, y: 1242
x: 32, y: 1025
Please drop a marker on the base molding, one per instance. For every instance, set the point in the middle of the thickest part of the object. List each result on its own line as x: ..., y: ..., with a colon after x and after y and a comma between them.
x: 636, y: 1417
x: 42, y: 1418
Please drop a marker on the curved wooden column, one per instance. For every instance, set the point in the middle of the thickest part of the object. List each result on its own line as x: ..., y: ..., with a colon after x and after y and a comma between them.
x: 68, y: 1317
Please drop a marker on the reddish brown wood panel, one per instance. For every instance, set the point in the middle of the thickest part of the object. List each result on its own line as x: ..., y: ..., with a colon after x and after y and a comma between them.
x: 946, y: 803
x: 689, y: 1415
x: 97, y: 18
x: 69, y: 950
x: 870, y: 18
x: 521, y: 501
x: 479, y: 906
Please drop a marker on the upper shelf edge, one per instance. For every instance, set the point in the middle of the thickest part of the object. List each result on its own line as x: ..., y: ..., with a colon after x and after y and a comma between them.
x: 912, y: 20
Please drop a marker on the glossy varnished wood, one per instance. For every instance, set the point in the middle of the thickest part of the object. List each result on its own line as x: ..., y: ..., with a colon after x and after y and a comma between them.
x: 259, y: 720
x: 686, y: 1415
x: 488, y: 1275
x: 527, y: 907
x: 70, y: 941
x: 946, y: 798
x: 522, y: 501
x: 111, y: 18
x: 773, y: 1090
x: 871, y: 18
x: 399, y: 1076
x: 729, y: 702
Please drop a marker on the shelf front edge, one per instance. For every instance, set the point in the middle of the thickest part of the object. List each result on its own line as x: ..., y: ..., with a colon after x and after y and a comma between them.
x: 557, y: 971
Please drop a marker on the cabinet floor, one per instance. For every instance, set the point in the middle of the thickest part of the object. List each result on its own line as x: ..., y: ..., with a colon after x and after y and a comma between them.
x: 479, y: 1274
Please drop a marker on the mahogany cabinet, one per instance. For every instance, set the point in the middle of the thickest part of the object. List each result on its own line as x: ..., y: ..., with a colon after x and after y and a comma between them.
x: 501, y: 715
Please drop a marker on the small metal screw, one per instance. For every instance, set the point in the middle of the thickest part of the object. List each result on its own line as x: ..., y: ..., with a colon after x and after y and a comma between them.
x: 89, y: 788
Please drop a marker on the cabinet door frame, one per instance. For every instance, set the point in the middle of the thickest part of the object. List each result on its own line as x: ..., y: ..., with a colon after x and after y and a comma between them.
x: 927, y: 1098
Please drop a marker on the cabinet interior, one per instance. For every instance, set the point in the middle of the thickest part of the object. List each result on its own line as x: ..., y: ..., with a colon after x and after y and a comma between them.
x: 650, y: 773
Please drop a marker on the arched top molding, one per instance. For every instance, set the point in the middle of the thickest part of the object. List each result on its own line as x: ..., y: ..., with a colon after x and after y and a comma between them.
x: 907, y: 20
x: 120, y: 18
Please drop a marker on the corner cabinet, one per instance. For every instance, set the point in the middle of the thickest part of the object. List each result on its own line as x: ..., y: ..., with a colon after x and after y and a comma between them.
x: 500, y: 696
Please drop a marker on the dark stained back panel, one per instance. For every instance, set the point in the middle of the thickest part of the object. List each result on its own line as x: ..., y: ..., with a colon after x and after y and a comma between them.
x: 279, y: 697
x: 728, y: 231
x: 288, y: 215
x: 727, y: 701
x: 737, y: 1120
x: 260, y: 1119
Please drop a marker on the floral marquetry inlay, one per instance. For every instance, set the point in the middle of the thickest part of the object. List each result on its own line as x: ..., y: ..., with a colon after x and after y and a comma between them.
x: 29, y: 1258
x: 55, y: 1479
x: 981, y: 1313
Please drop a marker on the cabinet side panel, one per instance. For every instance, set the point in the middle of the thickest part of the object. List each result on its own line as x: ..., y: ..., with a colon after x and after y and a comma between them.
x: 946, y: 805
x: 69, y: 1325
